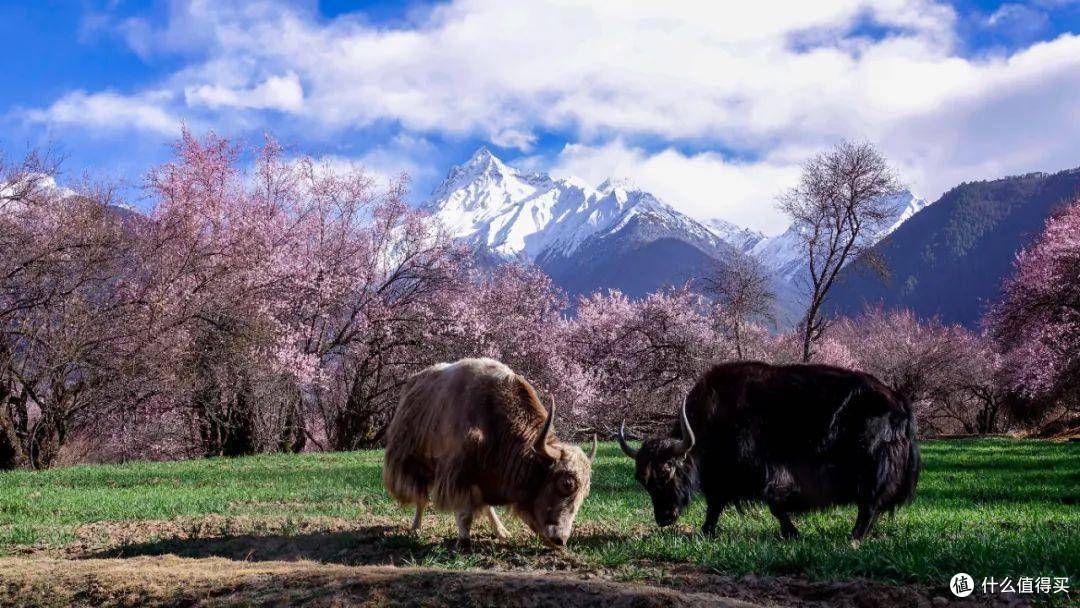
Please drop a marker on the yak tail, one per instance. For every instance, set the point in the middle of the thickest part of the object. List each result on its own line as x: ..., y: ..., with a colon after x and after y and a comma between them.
x: 905, y: 493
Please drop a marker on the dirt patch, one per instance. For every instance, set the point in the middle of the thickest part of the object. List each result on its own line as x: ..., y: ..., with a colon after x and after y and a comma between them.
x: 319, y: 539
x: 168, y: 580
x: 174, y: 581
x: 332, y: 561
x: 791, y: 591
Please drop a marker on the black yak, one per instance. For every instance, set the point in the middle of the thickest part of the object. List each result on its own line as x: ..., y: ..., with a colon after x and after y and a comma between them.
x: 798, y: 437
x: 472, y: 434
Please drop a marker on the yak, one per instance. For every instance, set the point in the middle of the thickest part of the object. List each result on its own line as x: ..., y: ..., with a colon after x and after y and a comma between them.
x: 796, y: 437
x: 472, y: 434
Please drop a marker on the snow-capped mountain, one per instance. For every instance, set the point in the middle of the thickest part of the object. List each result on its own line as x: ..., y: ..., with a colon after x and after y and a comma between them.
x: 615, y: 235
x: 743, y: 239
x: 488, y: 204
x: 782, y: 254
x: 585, y: 237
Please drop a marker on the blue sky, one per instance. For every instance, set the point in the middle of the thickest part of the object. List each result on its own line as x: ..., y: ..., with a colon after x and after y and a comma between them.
x: 711, y: 106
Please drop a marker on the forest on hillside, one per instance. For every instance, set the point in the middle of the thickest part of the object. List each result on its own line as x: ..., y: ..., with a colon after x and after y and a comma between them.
x: 951, y: 259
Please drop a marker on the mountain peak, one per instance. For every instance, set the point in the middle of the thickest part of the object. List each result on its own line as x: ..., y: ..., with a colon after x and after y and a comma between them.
x: 743, y: 239
x: 483, y: 155
x: 617, y: 183
x: 487, y: 203
x: 484, y: 161
x: 481, y: 166
x: 901, y: 207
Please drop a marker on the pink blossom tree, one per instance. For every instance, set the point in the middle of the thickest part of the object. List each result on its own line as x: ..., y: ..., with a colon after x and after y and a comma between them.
x: 291, y: 290
x: 948, y: 372
x: 512, y: 313
x: 219, y: 279
x: 636, y: 359
x: 64, y: 324
x: 377, y: 280
x: 1038, y: 320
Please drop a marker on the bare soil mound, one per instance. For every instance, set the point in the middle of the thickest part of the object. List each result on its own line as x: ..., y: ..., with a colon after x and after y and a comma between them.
x: 167, y: 580
x: 172, y: 581
x: 215, y: 561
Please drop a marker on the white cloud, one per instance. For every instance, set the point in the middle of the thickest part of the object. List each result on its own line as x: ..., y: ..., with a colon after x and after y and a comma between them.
x: 702, y: 185
x: 386, y: 162
x: 513, y: 138
x: 111, y: 111
x: 772, y: 80
x: 504, y: 70
x: 275, y: 93
x: 1024, y: 117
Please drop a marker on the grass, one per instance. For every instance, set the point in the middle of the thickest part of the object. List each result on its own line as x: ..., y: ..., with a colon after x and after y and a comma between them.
x: 991, y: 507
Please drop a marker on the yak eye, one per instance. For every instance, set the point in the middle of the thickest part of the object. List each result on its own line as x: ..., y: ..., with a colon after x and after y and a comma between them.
x: 566, y: 485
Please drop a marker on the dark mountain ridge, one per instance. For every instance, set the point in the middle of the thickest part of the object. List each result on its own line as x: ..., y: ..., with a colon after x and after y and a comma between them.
x: 950, y: 259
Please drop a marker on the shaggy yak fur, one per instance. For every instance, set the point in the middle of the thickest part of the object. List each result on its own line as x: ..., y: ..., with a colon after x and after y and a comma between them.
x: 472, y: 434
x: 798, y: 437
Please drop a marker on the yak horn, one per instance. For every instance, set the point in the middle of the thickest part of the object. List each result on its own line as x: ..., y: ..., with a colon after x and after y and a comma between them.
x: 688, y: 439
x: 592, y: 454
x: 546, y: 431
x: 629, y: 451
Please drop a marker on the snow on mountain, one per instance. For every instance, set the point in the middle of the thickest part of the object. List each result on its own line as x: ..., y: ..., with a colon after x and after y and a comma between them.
x: 743, y: 239
x: 782, y: 254
x: 615, y: 235
x: 904, y: 205
x: 488, y: 204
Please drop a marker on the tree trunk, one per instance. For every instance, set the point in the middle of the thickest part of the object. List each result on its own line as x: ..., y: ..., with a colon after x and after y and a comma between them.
x: 988, y: 416
x: 293, y: 436
x: 11, y: 452
x: 226, y: 422
x: 46, y: 439
x: 808, y: 339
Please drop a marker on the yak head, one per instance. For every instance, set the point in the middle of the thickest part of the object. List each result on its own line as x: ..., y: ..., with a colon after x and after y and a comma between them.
x: 664, y: 466
x: 563, y: 486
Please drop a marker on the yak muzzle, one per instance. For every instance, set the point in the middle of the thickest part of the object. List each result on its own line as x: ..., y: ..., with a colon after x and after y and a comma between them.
x: 554, y: 539
x: 666, y: 518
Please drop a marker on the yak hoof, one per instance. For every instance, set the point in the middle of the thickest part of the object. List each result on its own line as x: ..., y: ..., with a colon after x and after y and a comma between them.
x: 856, y: 543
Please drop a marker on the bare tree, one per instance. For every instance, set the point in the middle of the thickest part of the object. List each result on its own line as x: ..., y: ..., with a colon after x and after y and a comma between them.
x: 743, y: 295
x: 64, y: 324
x: 841, y: 199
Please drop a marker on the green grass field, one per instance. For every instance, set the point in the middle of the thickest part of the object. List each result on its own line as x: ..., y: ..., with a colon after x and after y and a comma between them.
x: 988, y: 507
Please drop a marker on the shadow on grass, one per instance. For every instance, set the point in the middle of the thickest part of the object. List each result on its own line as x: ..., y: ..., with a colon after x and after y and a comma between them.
x: 373, y: 545
x: 367, y: 546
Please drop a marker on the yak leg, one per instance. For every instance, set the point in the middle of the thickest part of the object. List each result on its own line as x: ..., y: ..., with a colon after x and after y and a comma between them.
x: 780, y: 488
x: 712, y: 513
x: 867, y: 516
x: 419, y: 517
x: 500, y: 530
x: 787, y: 528
x: 464, y: 519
